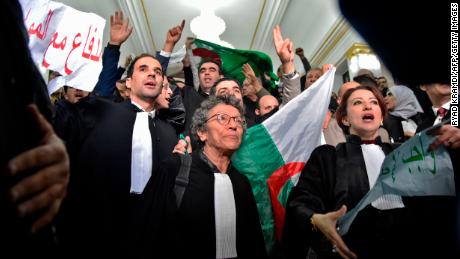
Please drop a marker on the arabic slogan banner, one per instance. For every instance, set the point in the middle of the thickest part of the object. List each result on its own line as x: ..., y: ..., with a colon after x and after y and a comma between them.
x: 410, y: 170
x: 65, y: 40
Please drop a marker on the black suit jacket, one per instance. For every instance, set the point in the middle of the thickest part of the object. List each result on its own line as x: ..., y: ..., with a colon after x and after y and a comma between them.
x: 428, y: 120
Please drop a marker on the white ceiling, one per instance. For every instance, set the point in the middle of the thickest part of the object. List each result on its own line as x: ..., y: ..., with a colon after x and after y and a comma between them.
x: 248, y: 22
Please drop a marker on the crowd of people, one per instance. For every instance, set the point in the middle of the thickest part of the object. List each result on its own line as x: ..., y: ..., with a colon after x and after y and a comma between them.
x: 101, y: 173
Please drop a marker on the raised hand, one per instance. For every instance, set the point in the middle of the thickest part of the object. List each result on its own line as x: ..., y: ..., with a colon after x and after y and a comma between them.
x: 299, y: 52
x: 251, y: 77
x: 284, y: 49
x: 119, y: 28
x: 173, y: 36
x: 189, y: 42
x: 42, y: 191
x: 326, y: 223
x: 249, y: 73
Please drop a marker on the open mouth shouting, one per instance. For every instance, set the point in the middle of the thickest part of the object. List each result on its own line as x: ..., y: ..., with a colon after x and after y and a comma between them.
x: 368, y: 117
x: 150, y: 84
x: 207, y: 80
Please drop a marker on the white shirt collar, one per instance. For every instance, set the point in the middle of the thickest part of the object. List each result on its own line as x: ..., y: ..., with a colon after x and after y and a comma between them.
x: 151, y: 113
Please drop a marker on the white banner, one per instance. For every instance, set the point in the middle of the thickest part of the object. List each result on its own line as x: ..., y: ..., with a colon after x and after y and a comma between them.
x: 65, y: 40
x: 410, y: 170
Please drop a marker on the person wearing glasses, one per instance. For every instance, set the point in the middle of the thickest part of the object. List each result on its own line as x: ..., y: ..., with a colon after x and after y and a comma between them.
x: 217, y: 217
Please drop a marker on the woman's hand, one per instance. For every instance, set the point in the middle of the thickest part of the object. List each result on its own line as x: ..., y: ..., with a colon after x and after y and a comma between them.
x: 326, y: 223
x: 183, y: 146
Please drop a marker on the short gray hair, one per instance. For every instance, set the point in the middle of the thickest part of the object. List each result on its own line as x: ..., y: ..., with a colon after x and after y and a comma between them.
x: 200, y: 116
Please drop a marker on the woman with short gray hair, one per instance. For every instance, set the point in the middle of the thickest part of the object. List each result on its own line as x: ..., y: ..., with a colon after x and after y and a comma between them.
x: 217, y: 216
x: 200, y: 116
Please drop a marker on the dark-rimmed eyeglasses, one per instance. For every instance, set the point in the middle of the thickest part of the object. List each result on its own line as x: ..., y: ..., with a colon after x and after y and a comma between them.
x: 224, y: 119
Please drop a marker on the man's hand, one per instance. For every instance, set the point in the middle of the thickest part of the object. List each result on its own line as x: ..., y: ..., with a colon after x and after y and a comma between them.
x: 251, y: 77
x: 186, y: 61
x: 449, y: 136
x: 189, y: 42
x: 173, y: 36
x: 44, y: 190
x: 284, y: 49
x: 119, y: 29
x: 299, y: 52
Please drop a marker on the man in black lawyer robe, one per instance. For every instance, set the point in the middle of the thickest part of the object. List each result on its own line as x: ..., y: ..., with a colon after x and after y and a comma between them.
x: 111, y: 162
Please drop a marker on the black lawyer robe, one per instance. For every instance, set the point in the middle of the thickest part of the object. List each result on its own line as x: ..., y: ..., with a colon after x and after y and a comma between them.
x: 336, y: 176
x: 190, y: 230
x: 97, y: 211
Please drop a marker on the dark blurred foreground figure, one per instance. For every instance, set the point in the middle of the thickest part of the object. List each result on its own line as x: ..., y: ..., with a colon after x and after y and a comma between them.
x: 34, y: 166
x: 394, y: 39
x: 401, y: 45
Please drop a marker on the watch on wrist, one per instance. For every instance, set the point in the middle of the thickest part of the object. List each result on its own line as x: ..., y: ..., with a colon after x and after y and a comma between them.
x: 290, y: 76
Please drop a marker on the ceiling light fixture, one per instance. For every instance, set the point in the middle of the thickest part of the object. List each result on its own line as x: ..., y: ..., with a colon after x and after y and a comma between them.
x: 208, y: 26
x: 360, y: 56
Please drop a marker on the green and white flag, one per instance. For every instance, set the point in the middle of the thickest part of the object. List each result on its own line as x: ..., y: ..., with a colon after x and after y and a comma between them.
x: 410, y: 170
x: 232, y: 60
x: 273, y: 153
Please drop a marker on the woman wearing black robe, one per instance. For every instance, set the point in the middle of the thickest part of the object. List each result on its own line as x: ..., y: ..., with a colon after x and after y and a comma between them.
x: 339, y: 176
x: 191, y: 231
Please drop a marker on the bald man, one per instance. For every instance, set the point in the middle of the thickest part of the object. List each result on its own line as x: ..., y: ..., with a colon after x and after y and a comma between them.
x: 266, y: 104
x: 333, y: 134
x: 266, y: 107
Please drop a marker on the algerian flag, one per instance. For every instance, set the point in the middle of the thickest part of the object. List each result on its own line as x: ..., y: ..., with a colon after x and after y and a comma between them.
x: 272, y: 154
x: 232, y: 60
x: 409, y: 170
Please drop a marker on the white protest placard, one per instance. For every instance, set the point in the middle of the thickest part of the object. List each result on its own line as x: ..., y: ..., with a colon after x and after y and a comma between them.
x: 65, y: 40
x: 410, y: 170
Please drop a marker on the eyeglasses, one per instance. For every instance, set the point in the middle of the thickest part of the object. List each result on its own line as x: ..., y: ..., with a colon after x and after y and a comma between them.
x: 224, y: 119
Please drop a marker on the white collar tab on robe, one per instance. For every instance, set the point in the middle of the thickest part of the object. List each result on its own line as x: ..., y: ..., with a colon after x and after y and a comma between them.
x: 373, y: 158
x: 150, y: 113
x: 224, y: 212
x: 141, y: 151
